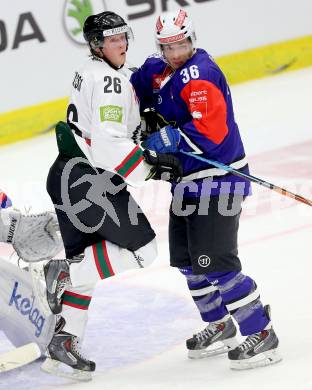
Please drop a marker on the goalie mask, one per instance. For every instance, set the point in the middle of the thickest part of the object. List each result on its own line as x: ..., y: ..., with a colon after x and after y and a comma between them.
x: 173, y: 27
x: 105, y: 24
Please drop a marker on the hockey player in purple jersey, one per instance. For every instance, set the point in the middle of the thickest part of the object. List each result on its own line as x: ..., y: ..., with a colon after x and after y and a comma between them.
x: 189, y: 96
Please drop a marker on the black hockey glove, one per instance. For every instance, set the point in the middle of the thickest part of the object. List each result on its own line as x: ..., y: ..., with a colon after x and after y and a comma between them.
x: 164, y: 166
x: 152, y: 122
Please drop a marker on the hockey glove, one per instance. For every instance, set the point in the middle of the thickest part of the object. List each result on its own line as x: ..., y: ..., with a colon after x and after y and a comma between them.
x: 152, y: 121
x: 164, y: 166
x: 166, y: 140
x: 34, y: 237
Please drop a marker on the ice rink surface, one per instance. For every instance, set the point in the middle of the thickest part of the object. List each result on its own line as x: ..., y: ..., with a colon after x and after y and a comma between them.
x: 139, y: 320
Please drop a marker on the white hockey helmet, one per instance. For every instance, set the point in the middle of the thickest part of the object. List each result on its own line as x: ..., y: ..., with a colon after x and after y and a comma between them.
x: 173, y: 27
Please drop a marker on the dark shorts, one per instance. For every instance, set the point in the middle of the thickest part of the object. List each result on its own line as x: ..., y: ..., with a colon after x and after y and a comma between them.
x: 207, y: 242
x: 124, y: 223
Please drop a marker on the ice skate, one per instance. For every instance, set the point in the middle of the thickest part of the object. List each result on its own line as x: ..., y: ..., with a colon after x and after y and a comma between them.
x: 258, y: 350
x: 65, y: 358
x: 217, y: 338
x: 57, y: 279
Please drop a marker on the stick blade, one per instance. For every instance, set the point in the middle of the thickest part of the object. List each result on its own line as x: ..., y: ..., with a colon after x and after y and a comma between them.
x: 19, y: 357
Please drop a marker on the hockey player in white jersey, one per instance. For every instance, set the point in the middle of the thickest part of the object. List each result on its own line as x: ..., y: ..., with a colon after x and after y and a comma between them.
x: 103, y: 229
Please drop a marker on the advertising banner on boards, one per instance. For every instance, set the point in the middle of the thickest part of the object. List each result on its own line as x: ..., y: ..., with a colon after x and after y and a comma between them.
x: 42, y: 42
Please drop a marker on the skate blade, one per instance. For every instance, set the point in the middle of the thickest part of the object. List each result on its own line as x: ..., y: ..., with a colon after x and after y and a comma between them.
x: 214, y: 350
x: 263, y: 359
x: 56, y: 368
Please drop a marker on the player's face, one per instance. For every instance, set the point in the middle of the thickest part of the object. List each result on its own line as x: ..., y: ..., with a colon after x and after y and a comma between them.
x: 178, y: 53
x: 115, y: 48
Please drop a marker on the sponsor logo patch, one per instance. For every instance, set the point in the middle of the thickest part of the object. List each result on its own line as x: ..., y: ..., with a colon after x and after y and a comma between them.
x: 197, y: 115
x: 204, y: 261
x: 111, y: 114
x: 12, y: 230
x: 180, y: 19
x: 26, y: 306
x: 76, y: 12
x: 172, y: 39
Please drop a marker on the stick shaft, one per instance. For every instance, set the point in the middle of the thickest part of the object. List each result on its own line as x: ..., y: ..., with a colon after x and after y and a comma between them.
x: 251, y: 178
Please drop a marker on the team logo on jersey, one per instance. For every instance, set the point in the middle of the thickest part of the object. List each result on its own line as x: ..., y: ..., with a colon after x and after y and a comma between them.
x: 77, y: 81
x: 204, y: 261
x: 159, y: 79
x: 111, y: 114
x: 75, y: 14
x: 26, y: 306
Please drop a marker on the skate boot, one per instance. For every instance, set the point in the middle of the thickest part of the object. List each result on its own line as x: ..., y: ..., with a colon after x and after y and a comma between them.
x: 217, y: 338
x: 258, y: 350
x: 57, y: 279
x: 65, y: 358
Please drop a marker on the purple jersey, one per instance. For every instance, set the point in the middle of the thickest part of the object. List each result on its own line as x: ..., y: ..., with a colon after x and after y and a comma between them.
x: 197, y: 99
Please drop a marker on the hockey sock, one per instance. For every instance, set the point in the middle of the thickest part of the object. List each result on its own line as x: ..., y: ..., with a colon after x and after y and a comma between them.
x: 205, y: 295
x: 242, y: 299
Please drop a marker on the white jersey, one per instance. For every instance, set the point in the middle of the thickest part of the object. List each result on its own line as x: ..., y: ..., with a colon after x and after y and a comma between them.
x: 104, y: 108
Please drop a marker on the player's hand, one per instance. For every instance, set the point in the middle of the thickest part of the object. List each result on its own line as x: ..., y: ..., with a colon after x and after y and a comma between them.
x: 164, y: 166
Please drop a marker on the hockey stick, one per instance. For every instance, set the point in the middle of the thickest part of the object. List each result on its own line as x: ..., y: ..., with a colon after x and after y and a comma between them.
x: 19, y: 357
x: 251, y: 178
